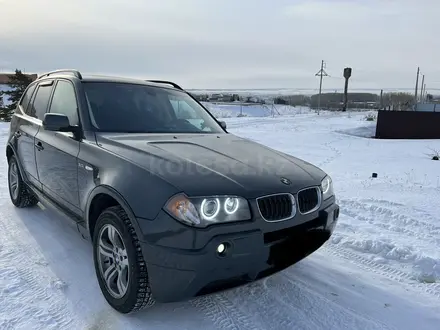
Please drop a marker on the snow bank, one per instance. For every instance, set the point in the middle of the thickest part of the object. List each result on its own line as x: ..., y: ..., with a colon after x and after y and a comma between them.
x: 363, y: 131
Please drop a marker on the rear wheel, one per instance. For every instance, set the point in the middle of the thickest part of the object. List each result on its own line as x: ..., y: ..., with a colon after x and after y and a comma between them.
x: 18, y: 191
x: 119, y: 263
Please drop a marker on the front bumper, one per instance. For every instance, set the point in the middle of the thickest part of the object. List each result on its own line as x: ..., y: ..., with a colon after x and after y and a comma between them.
x: 183, y: 262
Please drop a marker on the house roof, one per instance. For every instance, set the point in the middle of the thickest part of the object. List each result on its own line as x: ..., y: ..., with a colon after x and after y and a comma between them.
x: 4, y: 77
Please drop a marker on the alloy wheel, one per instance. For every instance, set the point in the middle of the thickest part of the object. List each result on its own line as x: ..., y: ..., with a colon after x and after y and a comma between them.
x: 113, y: 261
x: 13, y: 180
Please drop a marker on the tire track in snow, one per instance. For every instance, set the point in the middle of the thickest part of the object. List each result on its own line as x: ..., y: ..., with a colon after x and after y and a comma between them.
x: 266, y: 307
x: 250, y: 306
x: 384, y: 216
x: 390, y: 226
x: 432, y: 289
x: 223, y: 313
x: 382, y: 211
x: 30, y: 294
x: 392, y: 209
x: 408, y: 240
x: 295, y: 291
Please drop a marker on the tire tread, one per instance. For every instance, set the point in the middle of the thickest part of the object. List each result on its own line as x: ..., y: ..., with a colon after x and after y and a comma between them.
x: 144, y: 297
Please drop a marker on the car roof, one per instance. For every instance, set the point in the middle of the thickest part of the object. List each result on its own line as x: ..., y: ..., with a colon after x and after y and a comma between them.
x: 99, y: 78
x: 111, y: 79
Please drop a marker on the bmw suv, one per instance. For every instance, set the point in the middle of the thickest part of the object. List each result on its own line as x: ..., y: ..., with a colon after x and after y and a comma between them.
x: 174, y: 205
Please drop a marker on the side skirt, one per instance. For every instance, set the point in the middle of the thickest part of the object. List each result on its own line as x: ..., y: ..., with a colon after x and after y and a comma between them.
x: 72, y: 219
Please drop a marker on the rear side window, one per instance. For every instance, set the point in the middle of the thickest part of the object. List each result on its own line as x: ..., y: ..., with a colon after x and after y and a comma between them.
x: 41, y: 100
x: 64, y: 101
x: 27, y: 97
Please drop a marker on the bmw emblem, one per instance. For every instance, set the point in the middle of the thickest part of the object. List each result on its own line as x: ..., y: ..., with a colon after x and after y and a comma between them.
x: 285, y: 181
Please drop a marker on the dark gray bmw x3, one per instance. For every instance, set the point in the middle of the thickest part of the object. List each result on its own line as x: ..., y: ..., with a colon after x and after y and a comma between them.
x: 174, y: 205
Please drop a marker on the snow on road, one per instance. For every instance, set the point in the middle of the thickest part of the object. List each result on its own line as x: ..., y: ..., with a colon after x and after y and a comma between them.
x: 381, y: 269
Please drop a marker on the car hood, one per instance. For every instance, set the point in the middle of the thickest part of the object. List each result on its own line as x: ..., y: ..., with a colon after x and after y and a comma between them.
x: 207, y: 164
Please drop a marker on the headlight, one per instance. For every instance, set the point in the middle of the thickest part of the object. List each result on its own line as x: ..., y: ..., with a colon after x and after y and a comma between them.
x: 327, y: 188
x: 204, y: 211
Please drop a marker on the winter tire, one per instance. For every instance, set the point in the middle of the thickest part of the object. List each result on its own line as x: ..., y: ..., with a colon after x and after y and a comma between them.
x: 18, y: 191
x: 119, y: 263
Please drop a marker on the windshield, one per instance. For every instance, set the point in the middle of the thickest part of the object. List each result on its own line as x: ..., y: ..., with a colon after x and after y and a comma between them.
x: 132, y: 108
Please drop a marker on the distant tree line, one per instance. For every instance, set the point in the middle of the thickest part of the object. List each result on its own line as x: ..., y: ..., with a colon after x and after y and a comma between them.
x: 395, y: 100
x: 227, y: 97
x: 398, y: 101
x: 391, y: 100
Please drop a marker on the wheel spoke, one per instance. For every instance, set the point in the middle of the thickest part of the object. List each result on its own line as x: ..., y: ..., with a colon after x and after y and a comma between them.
x: 105, y: 249
x: 113, y: 236
x: 14, y: 189
x: 14, y: 170
x: 13, y: 177
x: 13, y: 180
x: 121, y: 282
x: 109, y: 275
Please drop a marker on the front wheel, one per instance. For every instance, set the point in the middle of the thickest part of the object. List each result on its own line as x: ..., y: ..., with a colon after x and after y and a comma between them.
x: 119, y: 263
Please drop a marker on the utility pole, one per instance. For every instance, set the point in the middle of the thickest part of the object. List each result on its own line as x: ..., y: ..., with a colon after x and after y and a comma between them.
x: 321, y: 73
x: 417, y: 87
x: 381, y: 99
x: 423, y: 92
x: 421, y: 88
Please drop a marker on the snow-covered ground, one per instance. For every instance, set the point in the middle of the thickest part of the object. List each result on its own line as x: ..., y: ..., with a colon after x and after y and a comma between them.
x: 381, y: 269
x: 252, y: 110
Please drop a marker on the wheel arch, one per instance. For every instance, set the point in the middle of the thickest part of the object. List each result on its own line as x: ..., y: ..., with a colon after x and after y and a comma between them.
x: 100, y: 198
x: 10, y: 151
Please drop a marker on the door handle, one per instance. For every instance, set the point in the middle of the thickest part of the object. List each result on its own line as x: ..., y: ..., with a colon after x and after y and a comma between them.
x: 39, y: 146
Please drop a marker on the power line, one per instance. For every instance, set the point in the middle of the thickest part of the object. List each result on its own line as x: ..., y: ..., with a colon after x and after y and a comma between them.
x: 321, y: 73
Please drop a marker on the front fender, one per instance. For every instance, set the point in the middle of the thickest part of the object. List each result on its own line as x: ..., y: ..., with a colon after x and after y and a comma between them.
x: 104, y: 189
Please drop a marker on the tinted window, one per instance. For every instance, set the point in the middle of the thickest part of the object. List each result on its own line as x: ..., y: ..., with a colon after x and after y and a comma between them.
x: 119, y: 107
x: 41, y: 101
x: 27, y: 97
x: 64, y: 101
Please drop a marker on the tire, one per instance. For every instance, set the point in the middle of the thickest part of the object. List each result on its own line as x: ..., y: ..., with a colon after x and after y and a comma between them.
x: 21, y: 196
x: 130, y: 266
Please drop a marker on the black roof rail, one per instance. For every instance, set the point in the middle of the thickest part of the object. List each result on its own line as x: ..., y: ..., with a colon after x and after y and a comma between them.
x: 166, y: 82
x: 76, y: 73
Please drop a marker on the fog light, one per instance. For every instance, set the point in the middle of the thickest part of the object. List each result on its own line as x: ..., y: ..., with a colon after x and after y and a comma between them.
x: 221, y: 248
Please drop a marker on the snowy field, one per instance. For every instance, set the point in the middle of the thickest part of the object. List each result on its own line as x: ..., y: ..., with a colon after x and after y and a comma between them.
x: 381, y: 269
x: 253, y: 110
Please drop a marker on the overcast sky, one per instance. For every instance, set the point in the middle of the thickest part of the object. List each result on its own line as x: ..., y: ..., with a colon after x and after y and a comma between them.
x: 228, y: 43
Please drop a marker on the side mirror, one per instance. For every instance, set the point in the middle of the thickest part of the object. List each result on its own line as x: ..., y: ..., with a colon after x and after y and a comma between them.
x: 56, y: 122
x: 222, y: 124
